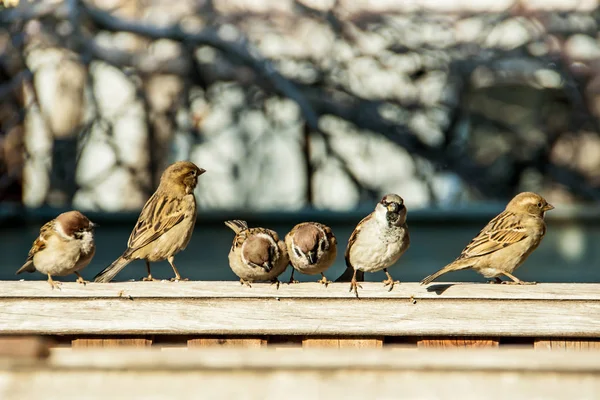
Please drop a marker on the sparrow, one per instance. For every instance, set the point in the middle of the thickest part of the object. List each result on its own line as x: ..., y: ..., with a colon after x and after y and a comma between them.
x: 165, y: 224
x: 505, y: 242
x: 256, y: 254
x: 377, y: 242
x: 312, y: 249
x: 65, y: 246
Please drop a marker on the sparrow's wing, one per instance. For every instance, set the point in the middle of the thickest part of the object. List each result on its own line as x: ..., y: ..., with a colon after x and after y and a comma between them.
x: 502, y: 231
x: 353, y: 238
x: 40, y: 242
x: 160, y: 213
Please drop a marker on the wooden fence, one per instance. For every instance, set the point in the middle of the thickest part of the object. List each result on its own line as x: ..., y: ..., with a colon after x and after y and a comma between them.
x: 197, y: 314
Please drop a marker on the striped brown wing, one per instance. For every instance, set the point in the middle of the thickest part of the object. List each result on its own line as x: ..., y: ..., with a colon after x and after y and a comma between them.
x: 353, y: 238
x: 160, y: 213
x: 40, y: 242
x: 502, y: 231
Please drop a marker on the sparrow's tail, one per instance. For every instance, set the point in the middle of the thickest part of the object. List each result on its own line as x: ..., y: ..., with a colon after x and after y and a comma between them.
x: 349, y: 272
x: 108, y: 273
x: 453, y: 266
x: 237, y: 225
x: 27, y: 267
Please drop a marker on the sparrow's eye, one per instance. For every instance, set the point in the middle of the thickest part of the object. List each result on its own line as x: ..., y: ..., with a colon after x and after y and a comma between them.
x: 297, y: 252
x: 192, y: 173
x: 540, y: 205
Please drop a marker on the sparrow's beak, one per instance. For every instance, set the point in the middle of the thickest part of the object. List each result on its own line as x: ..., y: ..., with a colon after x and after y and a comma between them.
x: 201, y: 171
x: 93, y: 225
x: 393, y: 207
x: 548, y: 207
x: 267, y: 266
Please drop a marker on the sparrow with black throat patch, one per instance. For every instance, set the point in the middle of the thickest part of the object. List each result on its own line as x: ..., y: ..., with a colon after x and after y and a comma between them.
x: 377, y: 242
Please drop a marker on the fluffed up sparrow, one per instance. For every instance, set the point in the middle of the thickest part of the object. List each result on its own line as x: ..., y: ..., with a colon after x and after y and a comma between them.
x: 312, y: 249
x: 65, y: 246
x: 256, y: 254
x: 377, y: 242
x: 165, y: 224
x: 505, y: 242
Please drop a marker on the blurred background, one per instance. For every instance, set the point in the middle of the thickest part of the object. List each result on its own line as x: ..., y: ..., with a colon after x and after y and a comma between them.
x: 303, y: 110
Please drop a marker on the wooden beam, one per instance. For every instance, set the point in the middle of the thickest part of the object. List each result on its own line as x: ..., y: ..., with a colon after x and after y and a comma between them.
x: 334, y: 373
x: 306, y: 309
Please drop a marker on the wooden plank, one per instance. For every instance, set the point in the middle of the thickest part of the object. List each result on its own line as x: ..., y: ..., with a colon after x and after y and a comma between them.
x: 342, y: 343
x: 227, y: 342
x: 203, y: 309
x: 24, y: 347
x: 128, y: 292
x: 120, y: 342
x: 331, y: 373
x: 566, y: 344
x: 457, y: 343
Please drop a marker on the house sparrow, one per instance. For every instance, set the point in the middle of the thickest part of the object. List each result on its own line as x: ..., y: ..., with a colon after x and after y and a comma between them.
x: 505, y: 242
x: 256, y: 254
x: 65, y: 246
x: 312, y: 249
x: 377, y: 242
x: 165, y: 224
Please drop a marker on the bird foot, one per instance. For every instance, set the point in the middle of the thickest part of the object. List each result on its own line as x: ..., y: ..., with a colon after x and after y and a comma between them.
x: 178, y: 279
x: 390, y: 282
x: 55, y: 285
x: 324, y: 281
x: 275, y: 282
x: 149, y: 278
x: 82, y: 281
x: 245, y: 282
x: 518, y: 283
x: 354, y: 285
x: 292, y: 281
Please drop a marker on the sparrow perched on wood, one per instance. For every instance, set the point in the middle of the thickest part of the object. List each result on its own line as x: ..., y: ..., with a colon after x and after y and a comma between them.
x: 256, y: 254
x: 377, y: 242
x: 505, y: 242
x: 165, y: 224
x: 312, y: 249
x: 65, y: 246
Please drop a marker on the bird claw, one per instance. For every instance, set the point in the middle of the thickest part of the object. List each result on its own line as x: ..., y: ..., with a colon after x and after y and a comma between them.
x: 245, y: 282
x: 354, y: 285
x: 149, y: 278
x: 82, y: 281
x: 275, y: 282
x: 55, y: 285
x: 390, y: 283
x: 324, y: 281
x: 292, y: 281
x: 179, y: 279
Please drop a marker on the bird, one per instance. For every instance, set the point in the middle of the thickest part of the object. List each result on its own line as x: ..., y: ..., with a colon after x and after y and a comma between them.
x: 505, y: 242
x: 312, y: 248
x: 65, y: 246
x: 377, y: 242
x: 165, y: 224
x: 256, y: 254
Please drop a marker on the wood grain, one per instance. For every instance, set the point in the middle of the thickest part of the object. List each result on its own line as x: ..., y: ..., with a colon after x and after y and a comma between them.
x: 227, y: 342
x: 24, y: 347
x: 342, y: 343
x: 121, y: 342
x: 307, y: 309
x: 321, y: 373
x: 457, y: 343
x: 565, y: 344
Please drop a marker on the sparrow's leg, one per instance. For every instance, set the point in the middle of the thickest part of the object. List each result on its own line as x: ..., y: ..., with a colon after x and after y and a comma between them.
x: 354, y: 285
x: 275, y: 281
x: 324, y: 280
x: 389, y: 281
x: 292, y: 280
x: 496, y: 280
x: 80, y: 278
x: 177, y: 276
x: 149, y: 277
x: 245, y: 282
x: 54, y: 284
x: 516, y: 281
